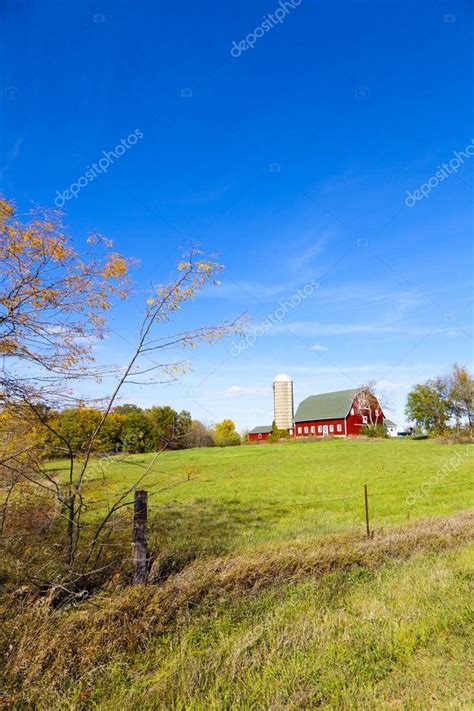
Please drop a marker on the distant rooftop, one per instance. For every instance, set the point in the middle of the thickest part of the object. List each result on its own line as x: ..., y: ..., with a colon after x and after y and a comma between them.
x: 326, y: 406
x: 262, y: 429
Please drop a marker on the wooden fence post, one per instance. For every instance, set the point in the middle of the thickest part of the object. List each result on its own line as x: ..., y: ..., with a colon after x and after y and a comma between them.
x: 366, y: 497
x: 140, y: 543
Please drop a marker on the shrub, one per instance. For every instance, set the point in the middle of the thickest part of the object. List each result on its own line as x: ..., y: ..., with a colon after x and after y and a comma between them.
x: 277, y: 434
x: 229, y: 440
x: 375, y: 431
x: 224, y: 434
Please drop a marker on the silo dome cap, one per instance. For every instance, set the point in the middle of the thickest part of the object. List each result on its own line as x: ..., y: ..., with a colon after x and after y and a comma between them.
x: 282, y: 378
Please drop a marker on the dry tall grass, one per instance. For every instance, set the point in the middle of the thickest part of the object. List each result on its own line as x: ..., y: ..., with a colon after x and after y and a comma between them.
x: 47, y: 649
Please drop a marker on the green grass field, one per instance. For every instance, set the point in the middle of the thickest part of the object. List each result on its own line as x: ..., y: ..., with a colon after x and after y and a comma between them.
x: 337, y: 622
x: 227, y: 499
x: 267, y: 593
x: 394, y: 638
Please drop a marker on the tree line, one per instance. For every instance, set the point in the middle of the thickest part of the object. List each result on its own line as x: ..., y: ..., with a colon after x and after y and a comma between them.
x: 441, y: 405
x: 131, y: 429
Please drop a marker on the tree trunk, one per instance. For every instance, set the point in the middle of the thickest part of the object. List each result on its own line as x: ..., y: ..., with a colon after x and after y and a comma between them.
x: 70, y: 507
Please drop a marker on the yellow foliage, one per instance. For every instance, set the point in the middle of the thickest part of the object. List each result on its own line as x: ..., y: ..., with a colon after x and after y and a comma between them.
x: 116, y: 267
x: 45, y: 281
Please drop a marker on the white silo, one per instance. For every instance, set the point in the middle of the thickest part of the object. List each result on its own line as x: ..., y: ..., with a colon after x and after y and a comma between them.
x: 283, y: 402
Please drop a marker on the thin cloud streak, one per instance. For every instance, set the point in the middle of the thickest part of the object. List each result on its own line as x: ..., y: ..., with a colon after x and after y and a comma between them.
x: 312, y: 328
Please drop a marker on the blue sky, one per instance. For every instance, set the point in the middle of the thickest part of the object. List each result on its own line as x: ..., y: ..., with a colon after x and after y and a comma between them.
x: 292, y: 160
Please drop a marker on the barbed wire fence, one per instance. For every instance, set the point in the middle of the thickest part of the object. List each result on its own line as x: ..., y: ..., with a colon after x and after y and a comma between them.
x: 140, y: 504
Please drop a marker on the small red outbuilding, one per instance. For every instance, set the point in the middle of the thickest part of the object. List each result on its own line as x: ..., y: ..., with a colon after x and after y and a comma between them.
x: 260, y: 434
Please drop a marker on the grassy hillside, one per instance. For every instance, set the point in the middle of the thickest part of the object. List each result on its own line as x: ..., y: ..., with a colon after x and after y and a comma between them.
x: 266, y: 592
x: 227, y: 499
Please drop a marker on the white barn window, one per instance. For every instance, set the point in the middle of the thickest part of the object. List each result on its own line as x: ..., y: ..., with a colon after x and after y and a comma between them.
x: 299, y: 430
x: 331, y: 428
x: 306, y: 430
x: 320, y: 428
x: 313, y: 429
x: 339, y: 428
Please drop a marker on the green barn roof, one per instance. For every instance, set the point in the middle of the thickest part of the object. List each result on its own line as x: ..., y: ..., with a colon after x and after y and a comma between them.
x: 326, y: 406
x: 389, y: 423
x: 263, y: 429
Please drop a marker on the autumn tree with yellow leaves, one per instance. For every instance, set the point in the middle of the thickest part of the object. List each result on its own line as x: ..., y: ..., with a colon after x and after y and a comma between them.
x: 53, y: 299
x: 54, y: 302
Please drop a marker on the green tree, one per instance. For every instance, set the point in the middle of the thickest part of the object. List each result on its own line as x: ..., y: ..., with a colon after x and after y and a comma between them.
x: 110, y: 436
x: 76, y: 426
x: 183, y: 429
x: 225, y: 434
x: 428, y: 407
x: 137, y: 432
x: 460, y: 386
x: 277, y: 434
x: 163, y: 422
x: 433, y: 404
x: 127, y: 408
x: 170, y: 428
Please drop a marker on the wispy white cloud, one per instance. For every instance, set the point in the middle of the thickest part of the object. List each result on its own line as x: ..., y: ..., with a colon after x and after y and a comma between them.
x: 373, y: 293
x: 252, y: 291
x: 396, y: 302
x: 372, y: 368
x: 238, y: 390
x: 318, y: 347
x: 304, y: 255
x: 314, y: 328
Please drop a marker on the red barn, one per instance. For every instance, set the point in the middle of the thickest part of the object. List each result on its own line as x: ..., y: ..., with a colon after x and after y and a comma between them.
x: 337, y: 414
x: 259, y: 434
